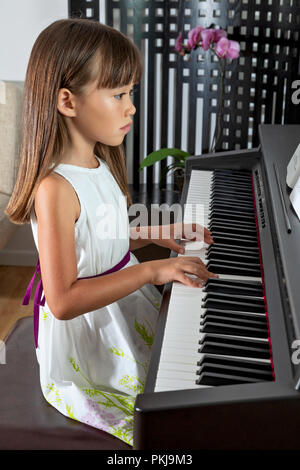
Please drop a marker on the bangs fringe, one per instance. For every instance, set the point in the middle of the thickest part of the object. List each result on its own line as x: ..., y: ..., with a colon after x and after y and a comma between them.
x: 123, y: 63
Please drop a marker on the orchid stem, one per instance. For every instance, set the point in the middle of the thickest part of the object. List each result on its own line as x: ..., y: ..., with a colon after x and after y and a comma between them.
x: 220, y: 106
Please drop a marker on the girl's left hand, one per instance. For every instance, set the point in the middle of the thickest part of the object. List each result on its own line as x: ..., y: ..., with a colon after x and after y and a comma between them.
x: 191, y: 232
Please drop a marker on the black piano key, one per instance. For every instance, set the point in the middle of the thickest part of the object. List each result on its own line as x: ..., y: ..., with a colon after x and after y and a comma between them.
x: 223, y: 180
x: 233, y: 209
x: 225, y: 256
x: 257, y: 374
x: 230, y: 346
x: 227, y: 312
x: 251, y: 250
x: 227, y: 209
x: 223, y: 199
x: 227, y: 214
x: 213, y: 225
x: 247, y: 286
x: 216, y: 379
x: 248, y: 317
x: 234, y: 329
x: 233, y: 263
x: 234, y: 223
x: 218, y: 218
x: 235, y: 194
x: 217, y: 251
x: 223, y: 210
x: 234, y: 304
x: 250, y: 364
x: 230, y: 184
x: 232, y: 270
x: 257, y: 299
x: 228, y: 202
x: 229, y: 173
x: 232, y: 188
x: 251, y: 237
x: 231, y: 240
x: 245, y: 194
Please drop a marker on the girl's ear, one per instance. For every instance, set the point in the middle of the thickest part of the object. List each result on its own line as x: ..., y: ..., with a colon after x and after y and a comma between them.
x: 66, y: 102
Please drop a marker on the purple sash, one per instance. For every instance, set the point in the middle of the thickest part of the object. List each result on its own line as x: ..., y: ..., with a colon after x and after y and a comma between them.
x: 38, y: 300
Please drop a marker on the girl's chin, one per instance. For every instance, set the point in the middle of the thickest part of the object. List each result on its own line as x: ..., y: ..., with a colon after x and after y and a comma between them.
x: 113, y: 142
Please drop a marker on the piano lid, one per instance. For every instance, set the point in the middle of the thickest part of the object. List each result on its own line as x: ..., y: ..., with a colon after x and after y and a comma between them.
x: 278, y: 144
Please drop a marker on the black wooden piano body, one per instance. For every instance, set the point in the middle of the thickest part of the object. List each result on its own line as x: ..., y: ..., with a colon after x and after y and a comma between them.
x: 263, y: 414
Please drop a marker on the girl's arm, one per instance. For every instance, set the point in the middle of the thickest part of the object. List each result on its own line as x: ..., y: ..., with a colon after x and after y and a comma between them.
x: 139, y: 237
x: 67, y: 297
x: 143, y: 236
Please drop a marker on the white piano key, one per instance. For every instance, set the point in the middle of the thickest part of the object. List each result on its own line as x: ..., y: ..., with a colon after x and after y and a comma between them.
x: 176, y: 384
x: 174, y: 357
x: 172, y: 366
x: 177, y: 374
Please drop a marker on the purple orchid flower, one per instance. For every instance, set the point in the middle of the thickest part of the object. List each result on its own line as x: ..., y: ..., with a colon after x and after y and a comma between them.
x: 179, y: 47
x: 194, y: 37
x: 227, y: 49
x: 210, y: 36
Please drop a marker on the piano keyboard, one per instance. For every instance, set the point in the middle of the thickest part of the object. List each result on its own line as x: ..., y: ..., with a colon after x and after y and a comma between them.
x: 218, y: 334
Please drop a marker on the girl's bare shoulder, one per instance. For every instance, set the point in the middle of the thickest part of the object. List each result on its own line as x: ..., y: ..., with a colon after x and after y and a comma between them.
x: 55, y: 194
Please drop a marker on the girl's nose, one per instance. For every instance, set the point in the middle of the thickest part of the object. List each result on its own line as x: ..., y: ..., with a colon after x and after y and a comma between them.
x: 132, y: 109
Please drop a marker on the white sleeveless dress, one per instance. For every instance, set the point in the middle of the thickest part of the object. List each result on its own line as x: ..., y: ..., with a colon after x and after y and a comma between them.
x: 93, y: 366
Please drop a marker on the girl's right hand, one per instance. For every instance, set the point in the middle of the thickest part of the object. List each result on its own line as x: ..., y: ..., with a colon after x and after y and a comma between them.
x: 176, y: 269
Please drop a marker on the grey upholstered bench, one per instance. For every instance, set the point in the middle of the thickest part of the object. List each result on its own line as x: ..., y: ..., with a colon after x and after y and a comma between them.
x: 27, y: 421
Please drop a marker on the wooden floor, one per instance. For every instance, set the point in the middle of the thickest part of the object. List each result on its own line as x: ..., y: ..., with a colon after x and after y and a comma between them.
x: 13, y: 283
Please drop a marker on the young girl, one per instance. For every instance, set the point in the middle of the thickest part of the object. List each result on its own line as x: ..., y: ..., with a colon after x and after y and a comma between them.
x: 96, y: 306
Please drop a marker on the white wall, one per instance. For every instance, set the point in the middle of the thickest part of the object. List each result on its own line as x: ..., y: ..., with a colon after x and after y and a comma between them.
x: 21, y: 21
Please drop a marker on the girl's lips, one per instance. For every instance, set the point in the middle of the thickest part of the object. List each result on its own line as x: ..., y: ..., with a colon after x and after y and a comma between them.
x: 127, y: 127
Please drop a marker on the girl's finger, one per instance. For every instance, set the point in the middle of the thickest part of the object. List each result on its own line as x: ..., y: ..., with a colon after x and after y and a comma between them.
x: 188, y: 281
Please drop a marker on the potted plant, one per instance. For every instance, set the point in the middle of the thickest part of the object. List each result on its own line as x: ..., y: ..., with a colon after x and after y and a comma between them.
x: 177, y: 167
x: 214, y: 40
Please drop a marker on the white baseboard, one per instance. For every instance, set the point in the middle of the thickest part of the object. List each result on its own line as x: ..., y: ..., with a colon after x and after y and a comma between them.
x: 18, y: 258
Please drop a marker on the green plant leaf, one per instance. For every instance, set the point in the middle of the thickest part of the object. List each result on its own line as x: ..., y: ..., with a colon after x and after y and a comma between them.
x: 160, y: 154
x: 175, y: 166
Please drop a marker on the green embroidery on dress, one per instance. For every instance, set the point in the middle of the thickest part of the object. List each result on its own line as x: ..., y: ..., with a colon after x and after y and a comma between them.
x: 70, y: 413
x: 127, y: 434
x: 92, y: 392
x: 45, y: 315
x: 120, y: 353
x: 148, y: 337
x: 49, y: 389
x: 157, y: 303
x: 123, y: 403
x: 126, y: 401
x: 132, y: 383
x: 111, y: 400
x: 77, y: 369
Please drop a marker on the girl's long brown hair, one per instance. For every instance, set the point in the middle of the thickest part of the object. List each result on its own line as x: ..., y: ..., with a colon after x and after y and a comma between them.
x: 68, y: 54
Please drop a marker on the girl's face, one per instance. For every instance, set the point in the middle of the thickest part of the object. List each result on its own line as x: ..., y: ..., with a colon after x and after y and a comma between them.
x: 102, y: 114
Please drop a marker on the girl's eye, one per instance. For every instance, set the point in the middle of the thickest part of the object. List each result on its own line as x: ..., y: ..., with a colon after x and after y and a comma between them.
x: 119, y: 97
